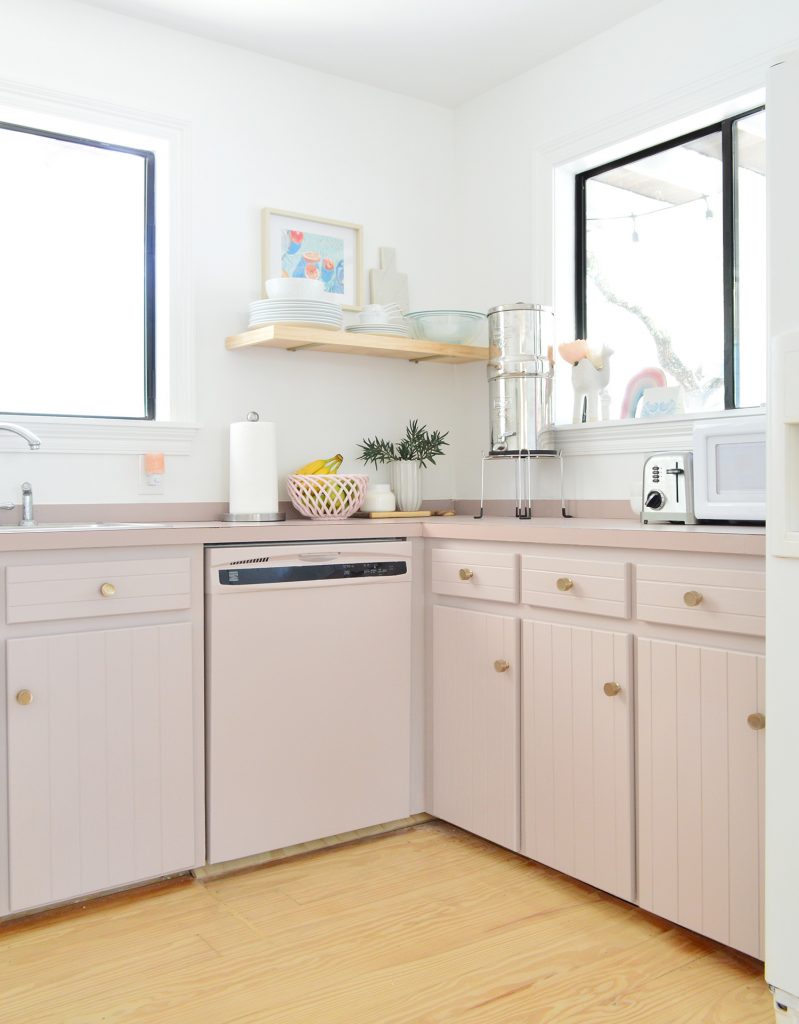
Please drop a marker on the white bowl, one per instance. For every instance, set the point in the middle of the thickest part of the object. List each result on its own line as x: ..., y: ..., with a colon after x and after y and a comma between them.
x: 450, y: 326
x: 294, y: 288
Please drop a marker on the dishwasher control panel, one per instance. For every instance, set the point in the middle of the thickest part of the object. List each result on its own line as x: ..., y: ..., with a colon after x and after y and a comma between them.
x: 260, y: 574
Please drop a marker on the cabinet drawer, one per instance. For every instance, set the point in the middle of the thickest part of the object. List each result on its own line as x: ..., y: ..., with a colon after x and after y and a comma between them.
x: 38, y: 593
x: 489, y: 575
x: 730, y: 600
x: 570, y: 584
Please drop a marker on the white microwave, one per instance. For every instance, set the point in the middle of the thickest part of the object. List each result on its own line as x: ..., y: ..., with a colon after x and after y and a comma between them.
x: 730, y: 469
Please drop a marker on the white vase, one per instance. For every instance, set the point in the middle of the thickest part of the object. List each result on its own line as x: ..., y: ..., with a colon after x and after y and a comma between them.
x: 406, y: 483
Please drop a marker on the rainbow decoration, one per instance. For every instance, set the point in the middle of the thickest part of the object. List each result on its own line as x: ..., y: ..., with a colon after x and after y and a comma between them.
x: 651, y: 377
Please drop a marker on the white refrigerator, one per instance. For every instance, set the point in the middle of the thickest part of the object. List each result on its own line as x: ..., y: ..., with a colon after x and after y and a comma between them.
x: 782, y: 530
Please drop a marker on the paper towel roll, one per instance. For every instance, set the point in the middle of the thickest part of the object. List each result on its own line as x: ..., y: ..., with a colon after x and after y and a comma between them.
x: 253, y: 468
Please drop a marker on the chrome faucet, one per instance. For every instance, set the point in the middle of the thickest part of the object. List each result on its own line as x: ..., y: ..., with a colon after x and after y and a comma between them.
x: 27, y: 506
x: 34, y: 442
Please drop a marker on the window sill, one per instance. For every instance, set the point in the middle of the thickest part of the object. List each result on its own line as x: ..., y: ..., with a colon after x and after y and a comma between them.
x: 100, y: 437
x: 626, y: 437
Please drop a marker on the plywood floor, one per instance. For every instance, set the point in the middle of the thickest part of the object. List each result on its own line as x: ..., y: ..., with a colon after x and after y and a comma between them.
x: 427, y: 926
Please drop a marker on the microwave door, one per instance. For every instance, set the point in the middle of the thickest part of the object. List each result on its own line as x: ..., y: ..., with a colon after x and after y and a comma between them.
x: 730, y: 472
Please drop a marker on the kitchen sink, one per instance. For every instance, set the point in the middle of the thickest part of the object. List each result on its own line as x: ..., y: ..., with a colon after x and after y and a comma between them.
x: 75, y: 527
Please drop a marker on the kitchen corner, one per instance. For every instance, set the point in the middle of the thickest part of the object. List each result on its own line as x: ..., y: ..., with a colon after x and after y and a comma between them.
x: 390, y: 626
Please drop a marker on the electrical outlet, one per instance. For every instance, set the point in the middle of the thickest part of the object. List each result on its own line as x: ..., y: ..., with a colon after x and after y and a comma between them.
x: 151, y: 482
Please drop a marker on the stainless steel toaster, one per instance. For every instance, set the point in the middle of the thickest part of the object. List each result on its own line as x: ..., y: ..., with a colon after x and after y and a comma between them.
x: 668, y: 490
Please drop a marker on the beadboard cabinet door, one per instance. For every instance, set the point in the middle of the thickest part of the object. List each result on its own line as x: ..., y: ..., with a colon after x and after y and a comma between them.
x: 100, y: 760
x: 577, y: 753
x: 476, y: 723
x: 700, y: 789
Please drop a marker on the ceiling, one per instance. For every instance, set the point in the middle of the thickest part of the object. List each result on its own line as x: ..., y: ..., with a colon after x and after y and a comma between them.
x: 442, y: 51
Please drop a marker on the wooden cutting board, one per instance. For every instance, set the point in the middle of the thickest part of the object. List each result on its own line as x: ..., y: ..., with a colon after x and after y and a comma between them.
x: 405, y: 515
x: 386, y: 285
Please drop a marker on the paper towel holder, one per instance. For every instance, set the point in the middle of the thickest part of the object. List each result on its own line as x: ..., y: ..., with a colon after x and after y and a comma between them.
x: 253, y: 517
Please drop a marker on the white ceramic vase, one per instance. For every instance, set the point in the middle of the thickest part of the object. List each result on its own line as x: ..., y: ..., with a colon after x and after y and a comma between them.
x: 406, y: 483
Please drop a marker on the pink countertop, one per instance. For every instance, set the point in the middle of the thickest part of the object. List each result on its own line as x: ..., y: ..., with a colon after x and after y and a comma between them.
x: 617, y: 533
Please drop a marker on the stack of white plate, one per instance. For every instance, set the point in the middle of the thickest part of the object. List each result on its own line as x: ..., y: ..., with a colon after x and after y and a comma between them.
x: 385, y: 319
x: 302, y: 312
x: 400, y: 330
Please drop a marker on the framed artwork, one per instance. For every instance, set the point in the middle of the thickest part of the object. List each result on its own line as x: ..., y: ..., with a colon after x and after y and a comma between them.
x: 296, y: 245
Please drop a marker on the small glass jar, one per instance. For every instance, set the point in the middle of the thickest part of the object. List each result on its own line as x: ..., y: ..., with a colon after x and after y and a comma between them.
x: 379, y: 498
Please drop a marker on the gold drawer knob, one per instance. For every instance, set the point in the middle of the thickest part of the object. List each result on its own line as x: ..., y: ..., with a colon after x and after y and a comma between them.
x: 756, y: 721
x: 24, y: 697
x: 611, y: 689
x: 501, y: 665
x: 692, y: 598
x: 108, y: 590
x: 564, y: 584
x: 466, y: 574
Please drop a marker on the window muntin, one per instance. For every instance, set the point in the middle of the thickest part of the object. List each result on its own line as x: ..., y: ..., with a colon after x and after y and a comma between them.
x: 656, y: 270
x: 77, y: 316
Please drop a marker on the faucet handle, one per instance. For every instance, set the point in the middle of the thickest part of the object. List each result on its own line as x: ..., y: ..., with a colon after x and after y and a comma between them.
x: 28, y: 518
x: 7, y: 507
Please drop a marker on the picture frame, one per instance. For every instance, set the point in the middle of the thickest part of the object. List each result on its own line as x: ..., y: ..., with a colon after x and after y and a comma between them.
x: 299, y: 245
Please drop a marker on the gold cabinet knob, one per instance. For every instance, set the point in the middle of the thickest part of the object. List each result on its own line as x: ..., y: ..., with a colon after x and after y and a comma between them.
x: 611, y: 689
x: 692, y: 598
x: 501, y: 665
x: 756, y: 721
x: 466, y: 574
x: 24, y: 697
x: 108, y: 590
x: 564, y: 584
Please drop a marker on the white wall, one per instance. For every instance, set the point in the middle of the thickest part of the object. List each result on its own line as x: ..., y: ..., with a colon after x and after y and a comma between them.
x: 672, y: 61
x: 263, y: 133
x: 267, y: 133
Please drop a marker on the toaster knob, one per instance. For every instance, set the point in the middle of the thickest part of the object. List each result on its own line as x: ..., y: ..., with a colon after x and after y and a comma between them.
x: 655, y: 499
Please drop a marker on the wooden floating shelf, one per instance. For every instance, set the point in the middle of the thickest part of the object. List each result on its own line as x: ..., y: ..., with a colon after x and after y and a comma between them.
x: 294, y: 339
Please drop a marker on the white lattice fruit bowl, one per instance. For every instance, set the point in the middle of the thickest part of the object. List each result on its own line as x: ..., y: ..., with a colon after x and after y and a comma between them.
x: 328, y: 495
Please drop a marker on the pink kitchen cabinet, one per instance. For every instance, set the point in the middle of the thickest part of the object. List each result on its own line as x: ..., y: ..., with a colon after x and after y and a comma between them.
x: 476, y: 723
x: 101, y: 771
x: 700, y: 789
x: 577, y: 753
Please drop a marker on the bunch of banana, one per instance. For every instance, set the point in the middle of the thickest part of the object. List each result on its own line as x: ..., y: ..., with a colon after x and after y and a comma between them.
x: 321, y: 466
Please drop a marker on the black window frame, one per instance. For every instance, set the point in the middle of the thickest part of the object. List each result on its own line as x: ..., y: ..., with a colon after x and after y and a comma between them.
x: 148, y: 269
x: 729, y: 215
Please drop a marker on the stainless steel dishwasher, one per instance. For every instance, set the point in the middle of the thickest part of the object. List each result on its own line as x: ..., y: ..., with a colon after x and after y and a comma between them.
x: 308, y: 691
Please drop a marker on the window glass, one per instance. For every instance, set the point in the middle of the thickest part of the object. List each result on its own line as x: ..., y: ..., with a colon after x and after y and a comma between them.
x: 654, y: 283
x: 75, y: 278
x: 750, y: 178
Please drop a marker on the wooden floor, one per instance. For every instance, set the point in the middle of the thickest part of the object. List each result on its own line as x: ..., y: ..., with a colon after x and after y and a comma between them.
x: 428, y: 926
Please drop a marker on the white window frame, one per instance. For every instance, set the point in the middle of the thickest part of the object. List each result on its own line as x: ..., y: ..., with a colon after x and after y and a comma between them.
x: 174, y: 428
x: 555, y: 164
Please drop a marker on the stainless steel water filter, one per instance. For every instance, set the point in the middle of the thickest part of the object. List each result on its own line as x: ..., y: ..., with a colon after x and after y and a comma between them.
x: 520, y: 376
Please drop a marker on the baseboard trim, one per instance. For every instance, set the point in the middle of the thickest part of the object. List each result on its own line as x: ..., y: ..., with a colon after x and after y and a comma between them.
x: 210, y: 872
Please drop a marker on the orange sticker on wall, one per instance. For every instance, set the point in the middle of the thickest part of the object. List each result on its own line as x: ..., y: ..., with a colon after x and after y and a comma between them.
x: 154, y: 462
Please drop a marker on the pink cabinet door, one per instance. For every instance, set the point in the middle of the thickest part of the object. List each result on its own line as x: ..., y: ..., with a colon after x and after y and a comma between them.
x: 100, y: 760
x: 700, y: 789
x: 476, y: 723
x: 577, y: 753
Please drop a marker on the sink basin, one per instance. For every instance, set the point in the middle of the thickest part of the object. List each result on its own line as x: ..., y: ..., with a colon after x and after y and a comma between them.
x: 74, y: 527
